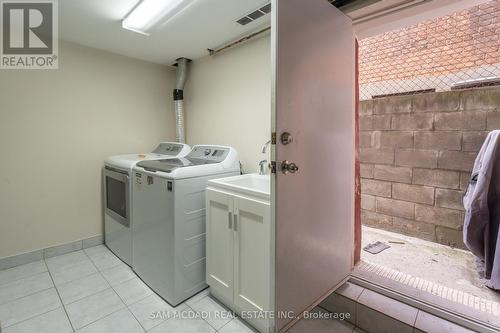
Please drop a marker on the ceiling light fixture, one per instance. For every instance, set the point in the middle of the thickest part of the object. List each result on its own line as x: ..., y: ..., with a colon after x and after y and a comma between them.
x: 148, y: 13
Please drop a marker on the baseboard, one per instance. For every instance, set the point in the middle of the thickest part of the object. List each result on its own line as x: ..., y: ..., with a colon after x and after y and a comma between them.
x: 26, y: 258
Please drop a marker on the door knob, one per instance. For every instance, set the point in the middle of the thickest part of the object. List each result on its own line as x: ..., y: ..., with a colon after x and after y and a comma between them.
x: 286, y: 138
x: 287, y: 167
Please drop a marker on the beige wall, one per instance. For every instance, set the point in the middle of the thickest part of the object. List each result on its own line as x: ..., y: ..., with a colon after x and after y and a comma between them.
x: 228, y: 100
x: 56, y: 128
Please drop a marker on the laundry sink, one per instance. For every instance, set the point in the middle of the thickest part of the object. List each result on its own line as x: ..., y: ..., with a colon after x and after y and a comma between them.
x: 252, y: 185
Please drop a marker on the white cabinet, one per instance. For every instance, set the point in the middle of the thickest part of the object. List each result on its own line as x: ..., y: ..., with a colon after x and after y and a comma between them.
x: 220, y: 243
x: 239, y: 254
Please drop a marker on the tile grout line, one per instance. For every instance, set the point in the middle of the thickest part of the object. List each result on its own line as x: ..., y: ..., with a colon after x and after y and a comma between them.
x: 153, y: 294
x: 63, y: 306
x: 95, y: 321
x: 23, y: 278
x: 110, y: 287
x: 93, y: 294
x: 235, y: 315
x: 81, y: 277
x: 164, y: 321
x: 216, y: 330
x: 40, y: 314
x: 198, y: 293
x: 99, y: 272
x: 59, y: 295
x: 416, y: 317
x: 28, y: 295
x: 385, y: 315
x: 28, y: 276
x: 128, y: 306
x: 356, y: 307
x: 210, y: 325
x: 190, y: 307
x: 31, y: 294
x: 199, y: 299
x: 85, y: 274
x: 123, y: 301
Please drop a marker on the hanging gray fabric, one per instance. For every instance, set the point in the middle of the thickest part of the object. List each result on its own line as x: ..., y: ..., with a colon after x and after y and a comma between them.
x: 482, y: 210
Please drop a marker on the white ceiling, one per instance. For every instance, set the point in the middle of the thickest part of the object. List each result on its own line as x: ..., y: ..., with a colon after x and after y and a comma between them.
x: 212, y: 23
x: 204, y: 24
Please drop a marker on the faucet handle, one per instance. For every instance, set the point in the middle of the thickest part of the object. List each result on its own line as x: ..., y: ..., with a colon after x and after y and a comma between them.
x: 262, y: 165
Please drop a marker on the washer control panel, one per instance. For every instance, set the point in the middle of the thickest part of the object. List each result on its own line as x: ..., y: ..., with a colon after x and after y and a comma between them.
x: 209, y: 153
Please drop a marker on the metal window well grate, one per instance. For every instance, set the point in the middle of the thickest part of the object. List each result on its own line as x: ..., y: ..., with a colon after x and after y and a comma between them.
x: 476, y: 303
x: 457, y: 51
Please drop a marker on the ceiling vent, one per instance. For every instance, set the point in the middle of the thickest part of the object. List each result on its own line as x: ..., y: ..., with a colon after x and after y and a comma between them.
x: 255, y: 15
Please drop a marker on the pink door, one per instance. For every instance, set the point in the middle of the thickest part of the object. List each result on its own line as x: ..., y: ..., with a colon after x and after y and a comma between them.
x: 314, y: 101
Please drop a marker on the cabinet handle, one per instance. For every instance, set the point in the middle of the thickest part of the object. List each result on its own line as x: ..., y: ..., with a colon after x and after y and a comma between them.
x: 235, y: 222
x: 230, y: 220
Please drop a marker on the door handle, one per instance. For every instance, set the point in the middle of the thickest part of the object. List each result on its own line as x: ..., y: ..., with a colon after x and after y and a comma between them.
x: 235, y: 222
x: 286, y: 138
x: 289, y: 167
x: 230, y: 220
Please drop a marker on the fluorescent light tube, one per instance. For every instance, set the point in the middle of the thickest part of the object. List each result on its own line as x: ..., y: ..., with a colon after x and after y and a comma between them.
x: 149, y: 12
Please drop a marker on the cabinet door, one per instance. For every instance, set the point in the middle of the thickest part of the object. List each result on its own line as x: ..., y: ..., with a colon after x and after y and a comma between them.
x: 220, y: 243
x: 252, y: 255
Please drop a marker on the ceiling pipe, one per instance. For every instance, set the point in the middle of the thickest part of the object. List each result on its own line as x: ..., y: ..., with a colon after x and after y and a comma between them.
x: 180, y: 82
x: 213, y: 52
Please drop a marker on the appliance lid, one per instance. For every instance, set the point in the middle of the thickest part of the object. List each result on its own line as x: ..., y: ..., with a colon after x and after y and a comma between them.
x: 164, y: 150
x: 126, y: 162
x: 169, y: 165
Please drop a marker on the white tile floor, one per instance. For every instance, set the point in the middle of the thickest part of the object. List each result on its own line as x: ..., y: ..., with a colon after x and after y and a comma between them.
x: 92, y: 291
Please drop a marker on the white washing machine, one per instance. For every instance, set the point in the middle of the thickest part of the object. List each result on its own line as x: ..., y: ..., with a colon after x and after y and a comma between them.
x: 169, y: 219
x: 118, y: 191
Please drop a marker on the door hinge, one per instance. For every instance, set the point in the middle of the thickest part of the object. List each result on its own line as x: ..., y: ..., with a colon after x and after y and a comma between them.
x: 272, y: 166
x: 273, y: 138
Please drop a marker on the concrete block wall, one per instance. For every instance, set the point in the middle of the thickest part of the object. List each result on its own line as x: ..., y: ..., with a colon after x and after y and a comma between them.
x: 416, y: 154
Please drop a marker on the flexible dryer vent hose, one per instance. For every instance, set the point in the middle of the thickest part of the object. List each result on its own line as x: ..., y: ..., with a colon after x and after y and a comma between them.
x: 182, y: 65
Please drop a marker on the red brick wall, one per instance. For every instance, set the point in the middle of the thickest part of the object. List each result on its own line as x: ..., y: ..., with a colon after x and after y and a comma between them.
x: 453, y: 43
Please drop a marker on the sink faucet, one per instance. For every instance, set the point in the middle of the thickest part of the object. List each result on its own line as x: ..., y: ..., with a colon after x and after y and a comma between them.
x: 262, y: 167
x: 264, y: 148
x: 263, y: 163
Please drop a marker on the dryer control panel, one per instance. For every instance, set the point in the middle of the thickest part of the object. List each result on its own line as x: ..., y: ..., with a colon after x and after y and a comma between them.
x: 209, y: 153
x: 169, y: 148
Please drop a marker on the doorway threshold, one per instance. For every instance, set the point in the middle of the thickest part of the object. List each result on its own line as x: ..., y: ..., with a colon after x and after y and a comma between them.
x: 431, y: 273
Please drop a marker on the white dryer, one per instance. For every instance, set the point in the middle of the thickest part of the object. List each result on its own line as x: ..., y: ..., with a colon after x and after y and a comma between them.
x: 118, y: 191
x: 169, y: 219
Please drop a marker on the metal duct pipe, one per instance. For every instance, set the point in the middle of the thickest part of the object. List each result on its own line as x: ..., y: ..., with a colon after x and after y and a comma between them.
x: 182, y: 64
